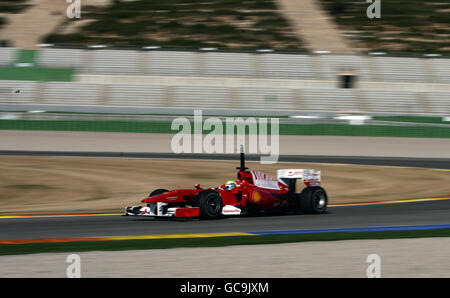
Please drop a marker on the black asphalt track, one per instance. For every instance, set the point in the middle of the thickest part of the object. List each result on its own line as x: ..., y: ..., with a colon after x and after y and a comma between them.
x: 397, y: 214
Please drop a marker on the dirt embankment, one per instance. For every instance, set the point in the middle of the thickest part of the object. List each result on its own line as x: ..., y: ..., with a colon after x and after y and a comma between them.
x: 66, y: 184
x: 30, y: 27
x: 315, y: 26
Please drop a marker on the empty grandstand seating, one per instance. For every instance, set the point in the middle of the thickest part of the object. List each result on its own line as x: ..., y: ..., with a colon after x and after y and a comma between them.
x: 229, y: 64
x: 7, y: 56
x: 60, y: 58
x: 308, y: 99
x: 439, y: 102
x: 333, y: 65
x: 267, y: 65
x: 331, y: 100
x: 394, y: 69
x: 114, y: 62
x: 441, y: 68
x: 315, y: 89
x: 17, y: 92
x: 392, y: 101
x: 265, y: 98
x: 171, y: 63
x: 62, y: 93
x: 287, y: 66
x: 201, y: 97
x: 137, y: 95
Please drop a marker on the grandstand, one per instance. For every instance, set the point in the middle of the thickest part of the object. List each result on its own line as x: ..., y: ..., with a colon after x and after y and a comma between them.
x: 61, y: 58
x: 234, y: 54
x: 7, y: 56
x: 384, y: 84
x: 229, y: 64
x: 441, y: 68
x: 267, y: 90
x: 71, y: 93
x: 287, y: 66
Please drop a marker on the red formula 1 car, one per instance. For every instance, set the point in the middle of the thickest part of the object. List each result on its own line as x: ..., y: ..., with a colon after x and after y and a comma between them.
x: 253, y: 192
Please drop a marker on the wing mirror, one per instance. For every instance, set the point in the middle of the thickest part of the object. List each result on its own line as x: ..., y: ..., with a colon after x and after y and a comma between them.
x: 197, y: 186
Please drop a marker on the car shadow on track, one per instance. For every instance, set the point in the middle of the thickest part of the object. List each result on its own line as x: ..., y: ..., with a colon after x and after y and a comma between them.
x: 223, y: 217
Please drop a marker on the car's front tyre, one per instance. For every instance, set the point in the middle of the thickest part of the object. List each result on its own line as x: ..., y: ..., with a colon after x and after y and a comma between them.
x: 210, y: 204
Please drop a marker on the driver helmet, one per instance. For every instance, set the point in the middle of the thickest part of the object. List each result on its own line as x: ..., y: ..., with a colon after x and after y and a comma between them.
x: 230, y: 185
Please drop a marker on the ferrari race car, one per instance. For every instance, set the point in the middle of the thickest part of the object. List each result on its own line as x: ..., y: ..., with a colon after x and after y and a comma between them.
x: 252, y: 192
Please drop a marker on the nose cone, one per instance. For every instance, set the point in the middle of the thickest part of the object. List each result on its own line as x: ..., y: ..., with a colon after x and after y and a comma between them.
x: 154, y: 199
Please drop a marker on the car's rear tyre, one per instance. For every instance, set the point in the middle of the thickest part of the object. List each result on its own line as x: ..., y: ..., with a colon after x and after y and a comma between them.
x: 210, y: 204
x: 313, y: 200
x: 157, y: 192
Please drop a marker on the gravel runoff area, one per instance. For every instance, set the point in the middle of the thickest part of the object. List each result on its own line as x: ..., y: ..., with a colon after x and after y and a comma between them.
x: 109, y: 184
x: 421, y: 257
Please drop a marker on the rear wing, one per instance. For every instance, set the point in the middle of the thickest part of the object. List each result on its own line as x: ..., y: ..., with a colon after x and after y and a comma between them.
x: 308, y: 176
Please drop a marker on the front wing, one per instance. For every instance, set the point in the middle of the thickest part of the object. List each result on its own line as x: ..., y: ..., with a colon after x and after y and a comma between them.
x: 162, y: 210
